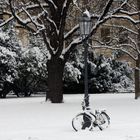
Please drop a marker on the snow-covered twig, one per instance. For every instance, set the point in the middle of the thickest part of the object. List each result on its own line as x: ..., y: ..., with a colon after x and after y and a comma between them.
x: 121, y: 27
x: 34, y: 18
x: 47, y: 16
x: 129, y: 13
x: 47, y: 42
x: 116, y: 48
x: 73, y: 43
x: 125, y: 17
x: 135, y: 44
x: 52, y: 3
x: 7, y: 21
x: 20, y: 21
x: 73, y: 30
x: 106, y: 9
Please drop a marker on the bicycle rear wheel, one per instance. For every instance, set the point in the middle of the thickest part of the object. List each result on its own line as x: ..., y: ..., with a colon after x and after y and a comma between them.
x: 104, y: 120
x: 82, y: 121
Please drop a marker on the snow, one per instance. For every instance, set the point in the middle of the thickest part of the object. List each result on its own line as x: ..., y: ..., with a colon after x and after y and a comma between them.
x: 53, y: 4
x: 86, y: 12
x: 75, y: 41
x: 34, y: 119
x: 3, y: 36
x: 71, y: 73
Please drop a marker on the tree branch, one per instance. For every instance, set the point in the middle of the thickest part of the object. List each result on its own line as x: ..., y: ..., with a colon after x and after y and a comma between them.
x: 20, y: 21
x: 106, y: 9
x: 116, y: 48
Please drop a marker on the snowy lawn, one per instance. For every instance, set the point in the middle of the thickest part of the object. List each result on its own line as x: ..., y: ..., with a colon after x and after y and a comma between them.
x: 34, y: 119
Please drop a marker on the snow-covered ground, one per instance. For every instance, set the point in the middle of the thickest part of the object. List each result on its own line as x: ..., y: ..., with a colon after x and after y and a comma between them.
x: 34, y: 119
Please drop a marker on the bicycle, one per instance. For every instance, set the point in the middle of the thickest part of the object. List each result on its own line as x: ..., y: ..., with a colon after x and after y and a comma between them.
x: 88, y: 120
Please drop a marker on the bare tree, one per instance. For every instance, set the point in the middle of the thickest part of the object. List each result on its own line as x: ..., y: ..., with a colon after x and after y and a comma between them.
x: 130, y: 46
x: 49, y: 19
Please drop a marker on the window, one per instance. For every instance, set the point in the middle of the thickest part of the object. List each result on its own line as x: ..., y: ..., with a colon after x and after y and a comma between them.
x: 105, y: 34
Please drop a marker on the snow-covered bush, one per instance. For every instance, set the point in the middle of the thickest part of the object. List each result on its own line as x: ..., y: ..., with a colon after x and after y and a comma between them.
x: 108, y: 74
x: 9, y: 57
x: 101, y: 80
x: 125, y: 85
x: 32, y: 69
x: 21, y: 69
x: 104, y: 74
x: 71, y: 73
x: 8, y: 64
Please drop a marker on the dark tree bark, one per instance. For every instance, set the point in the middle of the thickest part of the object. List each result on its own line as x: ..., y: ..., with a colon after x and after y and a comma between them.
x: 137, y: 71
x: 55, y: 80
x: 137, y: 78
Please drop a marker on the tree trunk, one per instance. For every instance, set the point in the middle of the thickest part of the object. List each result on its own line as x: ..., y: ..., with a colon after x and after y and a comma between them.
x: 137, y: 78
x: 55, y: 80
x: 137, y: 71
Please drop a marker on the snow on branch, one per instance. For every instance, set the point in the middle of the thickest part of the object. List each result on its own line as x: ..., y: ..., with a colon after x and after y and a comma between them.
x: 33, y: 19
x: 95, y: 16
x: 68, y: 34
x: 7, y: 21
x: 64, y: 15
x: 65, y: 6
x: 75, y: 3
x: 106, y: 9
x: 131, y: 49
x: 127, y: 46
x: 53, y: 24
x: 128, y: 18
x: 122, y: 27
x: 48, y: 44
x: 116, y: 48
x: 52, y: 4
x: 34, y: 6
x: 24, y: 23
x: 71, y: 45
x: 47, y: 17
x: 134, y: 44
x: 129, y: 13
x: 106, y: 15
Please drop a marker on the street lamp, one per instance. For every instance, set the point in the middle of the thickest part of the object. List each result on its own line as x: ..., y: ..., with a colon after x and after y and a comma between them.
x: 85, y: 29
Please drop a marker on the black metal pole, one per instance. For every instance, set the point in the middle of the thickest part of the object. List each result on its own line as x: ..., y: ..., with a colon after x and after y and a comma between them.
x: 86, y: 96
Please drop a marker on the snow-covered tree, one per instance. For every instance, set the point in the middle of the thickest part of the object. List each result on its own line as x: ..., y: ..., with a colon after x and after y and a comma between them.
x: 50, y: 17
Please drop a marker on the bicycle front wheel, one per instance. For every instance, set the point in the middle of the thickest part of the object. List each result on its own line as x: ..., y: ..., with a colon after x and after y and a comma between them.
x: 82, y: 121
x: 104, y: 120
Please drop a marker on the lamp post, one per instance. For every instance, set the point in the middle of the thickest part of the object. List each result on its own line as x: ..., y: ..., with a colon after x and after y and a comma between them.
x: 85, y: 28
